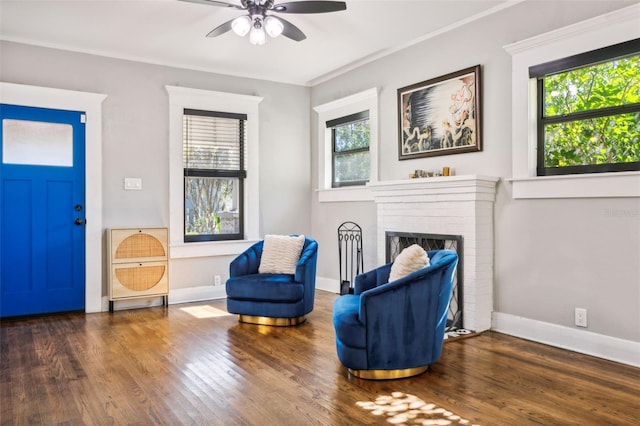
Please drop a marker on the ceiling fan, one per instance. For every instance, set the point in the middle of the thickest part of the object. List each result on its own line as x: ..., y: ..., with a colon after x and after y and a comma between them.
x: 257, y: 23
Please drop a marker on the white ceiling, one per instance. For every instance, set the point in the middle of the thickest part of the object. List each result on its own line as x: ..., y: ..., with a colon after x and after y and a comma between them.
x: 172, y: 32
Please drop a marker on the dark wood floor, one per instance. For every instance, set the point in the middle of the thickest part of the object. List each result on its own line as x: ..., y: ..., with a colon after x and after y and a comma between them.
x: 195, y: 364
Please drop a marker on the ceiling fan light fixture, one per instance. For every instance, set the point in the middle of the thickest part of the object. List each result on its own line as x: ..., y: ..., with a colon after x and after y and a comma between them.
x: 258, y: 24
x: 257, y: 36
x: 273, y: 26
x: 241, y: 25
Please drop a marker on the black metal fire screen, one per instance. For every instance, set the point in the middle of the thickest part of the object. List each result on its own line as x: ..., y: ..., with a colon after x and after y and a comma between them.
x: 397, y: 241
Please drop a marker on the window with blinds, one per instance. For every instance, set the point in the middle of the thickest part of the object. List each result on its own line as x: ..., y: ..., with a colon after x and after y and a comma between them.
x: 214, y: 145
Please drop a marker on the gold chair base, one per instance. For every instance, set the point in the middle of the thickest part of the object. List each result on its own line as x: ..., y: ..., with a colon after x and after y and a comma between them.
x: 279, y: 322
x: 388, y: 374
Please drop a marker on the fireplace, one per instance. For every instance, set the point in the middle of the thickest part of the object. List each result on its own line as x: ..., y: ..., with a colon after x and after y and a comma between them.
x: 397, y: 241
x: 450, y: 206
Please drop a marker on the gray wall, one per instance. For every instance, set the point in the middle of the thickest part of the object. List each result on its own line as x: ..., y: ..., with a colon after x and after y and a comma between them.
x: 550, y: 255
x: 136, y: 140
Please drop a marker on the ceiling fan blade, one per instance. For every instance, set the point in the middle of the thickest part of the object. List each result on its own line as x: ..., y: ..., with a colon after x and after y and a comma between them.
x: 291, y: 31
x: 310, y: 7
x: 220, y: 29
x: 217, y: 3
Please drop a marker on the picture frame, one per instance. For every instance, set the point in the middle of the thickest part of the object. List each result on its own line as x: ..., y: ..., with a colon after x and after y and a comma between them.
x: 440, y: 116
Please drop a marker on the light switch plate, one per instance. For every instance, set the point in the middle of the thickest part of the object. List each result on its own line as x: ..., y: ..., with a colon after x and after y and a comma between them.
x: 132, y: 184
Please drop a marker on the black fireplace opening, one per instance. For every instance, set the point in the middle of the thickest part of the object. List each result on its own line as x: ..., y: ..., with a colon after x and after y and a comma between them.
x: 397, y: 241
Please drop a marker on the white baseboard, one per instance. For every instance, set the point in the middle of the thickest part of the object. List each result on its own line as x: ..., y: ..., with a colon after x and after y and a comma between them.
x: 121, y: 305
x: 586, y: 342
x: 178, y: 295
x: 328, y: 284
x: 197, y: 294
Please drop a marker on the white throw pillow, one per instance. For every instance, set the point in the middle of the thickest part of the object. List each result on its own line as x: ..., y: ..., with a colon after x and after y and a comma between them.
x: 409, y: 260
x: 280, y: 254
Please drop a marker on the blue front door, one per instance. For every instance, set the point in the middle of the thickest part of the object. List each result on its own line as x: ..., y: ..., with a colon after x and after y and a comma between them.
x: 42, y: 211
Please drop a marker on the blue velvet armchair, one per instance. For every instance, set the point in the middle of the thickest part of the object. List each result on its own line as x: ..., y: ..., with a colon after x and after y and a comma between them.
x: 272, y: 299
x: 396, y: 329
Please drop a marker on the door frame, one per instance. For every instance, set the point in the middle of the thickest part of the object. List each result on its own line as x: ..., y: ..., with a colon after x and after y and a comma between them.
x: 91, y: 104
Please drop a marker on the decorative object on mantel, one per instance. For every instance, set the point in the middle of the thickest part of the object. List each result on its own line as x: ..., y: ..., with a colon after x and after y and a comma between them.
x: 418, y: 173
x: 440, y: 116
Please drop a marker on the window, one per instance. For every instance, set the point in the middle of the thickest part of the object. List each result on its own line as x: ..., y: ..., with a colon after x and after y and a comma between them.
x: 351, y: 187
x: 184, y: 98
x: 350, y: 149
x: 37, y: 143
x: 599, y: 32
x: 588, y: 111
x: 214, y: 173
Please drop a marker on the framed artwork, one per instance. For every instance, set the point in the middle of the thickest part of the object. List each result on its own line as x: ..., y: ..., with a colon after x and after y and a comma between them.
x: 440, y: 116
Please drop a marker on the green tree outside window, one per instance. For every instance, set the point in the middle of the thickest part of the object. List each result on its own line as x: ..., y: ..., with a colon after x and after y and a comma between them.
x: 351, y: 165
x: 591, y: 116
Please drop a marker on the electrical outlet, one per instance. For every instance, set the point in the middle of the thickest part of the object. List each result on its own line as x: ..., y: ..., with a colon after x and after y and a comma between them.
x: 581, y: 317
x: 217, y: 280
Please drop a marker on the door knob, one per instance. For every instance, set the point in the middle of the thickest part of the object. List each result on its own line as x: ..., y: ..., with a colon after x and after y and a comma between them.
x: 80, y: 221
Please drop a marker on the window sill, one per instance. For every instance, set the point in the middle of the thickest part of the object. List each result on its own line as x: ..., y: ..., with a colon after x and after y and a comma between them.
x: 346, y: 194
x: 209, y: 249
x: 596, y: 185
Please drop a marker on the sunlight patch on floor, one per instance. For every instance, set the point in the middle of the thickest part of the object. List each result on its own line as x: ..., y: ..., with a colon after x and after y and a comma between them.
x: 405, y: 409
x: 205, y: 311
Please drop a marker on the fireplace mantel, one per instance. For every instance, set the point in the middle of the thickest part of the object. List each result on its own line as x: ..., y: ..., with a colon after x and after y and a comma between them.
x: 465, y: 187
x: 450, y: 205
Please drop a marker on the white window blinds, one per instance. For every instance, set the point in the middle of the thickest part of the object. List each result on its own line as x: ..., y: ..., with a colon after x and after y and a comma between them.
x: 214, y: 140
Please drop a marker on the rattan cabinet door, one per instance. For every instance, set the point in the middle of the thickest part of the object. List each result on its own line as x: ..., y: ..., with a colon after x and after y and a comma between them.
x: 139, y: 279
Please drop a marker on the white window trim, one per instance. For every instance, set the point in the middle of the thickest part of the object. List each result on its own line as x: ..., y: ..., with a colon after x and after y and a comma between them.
x: 179, y: 99
x: 362, y: 101
x: 601, y: 31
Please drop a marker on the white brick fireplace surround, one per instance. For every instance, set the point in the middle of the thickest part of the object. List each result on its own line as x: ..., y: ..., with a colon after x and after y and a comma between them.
x: 452, y: 205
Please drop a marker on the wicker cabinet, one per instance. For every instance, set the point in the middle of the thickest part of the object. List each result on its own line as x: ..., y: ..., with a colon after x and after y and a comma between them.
x: 138, y: 264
